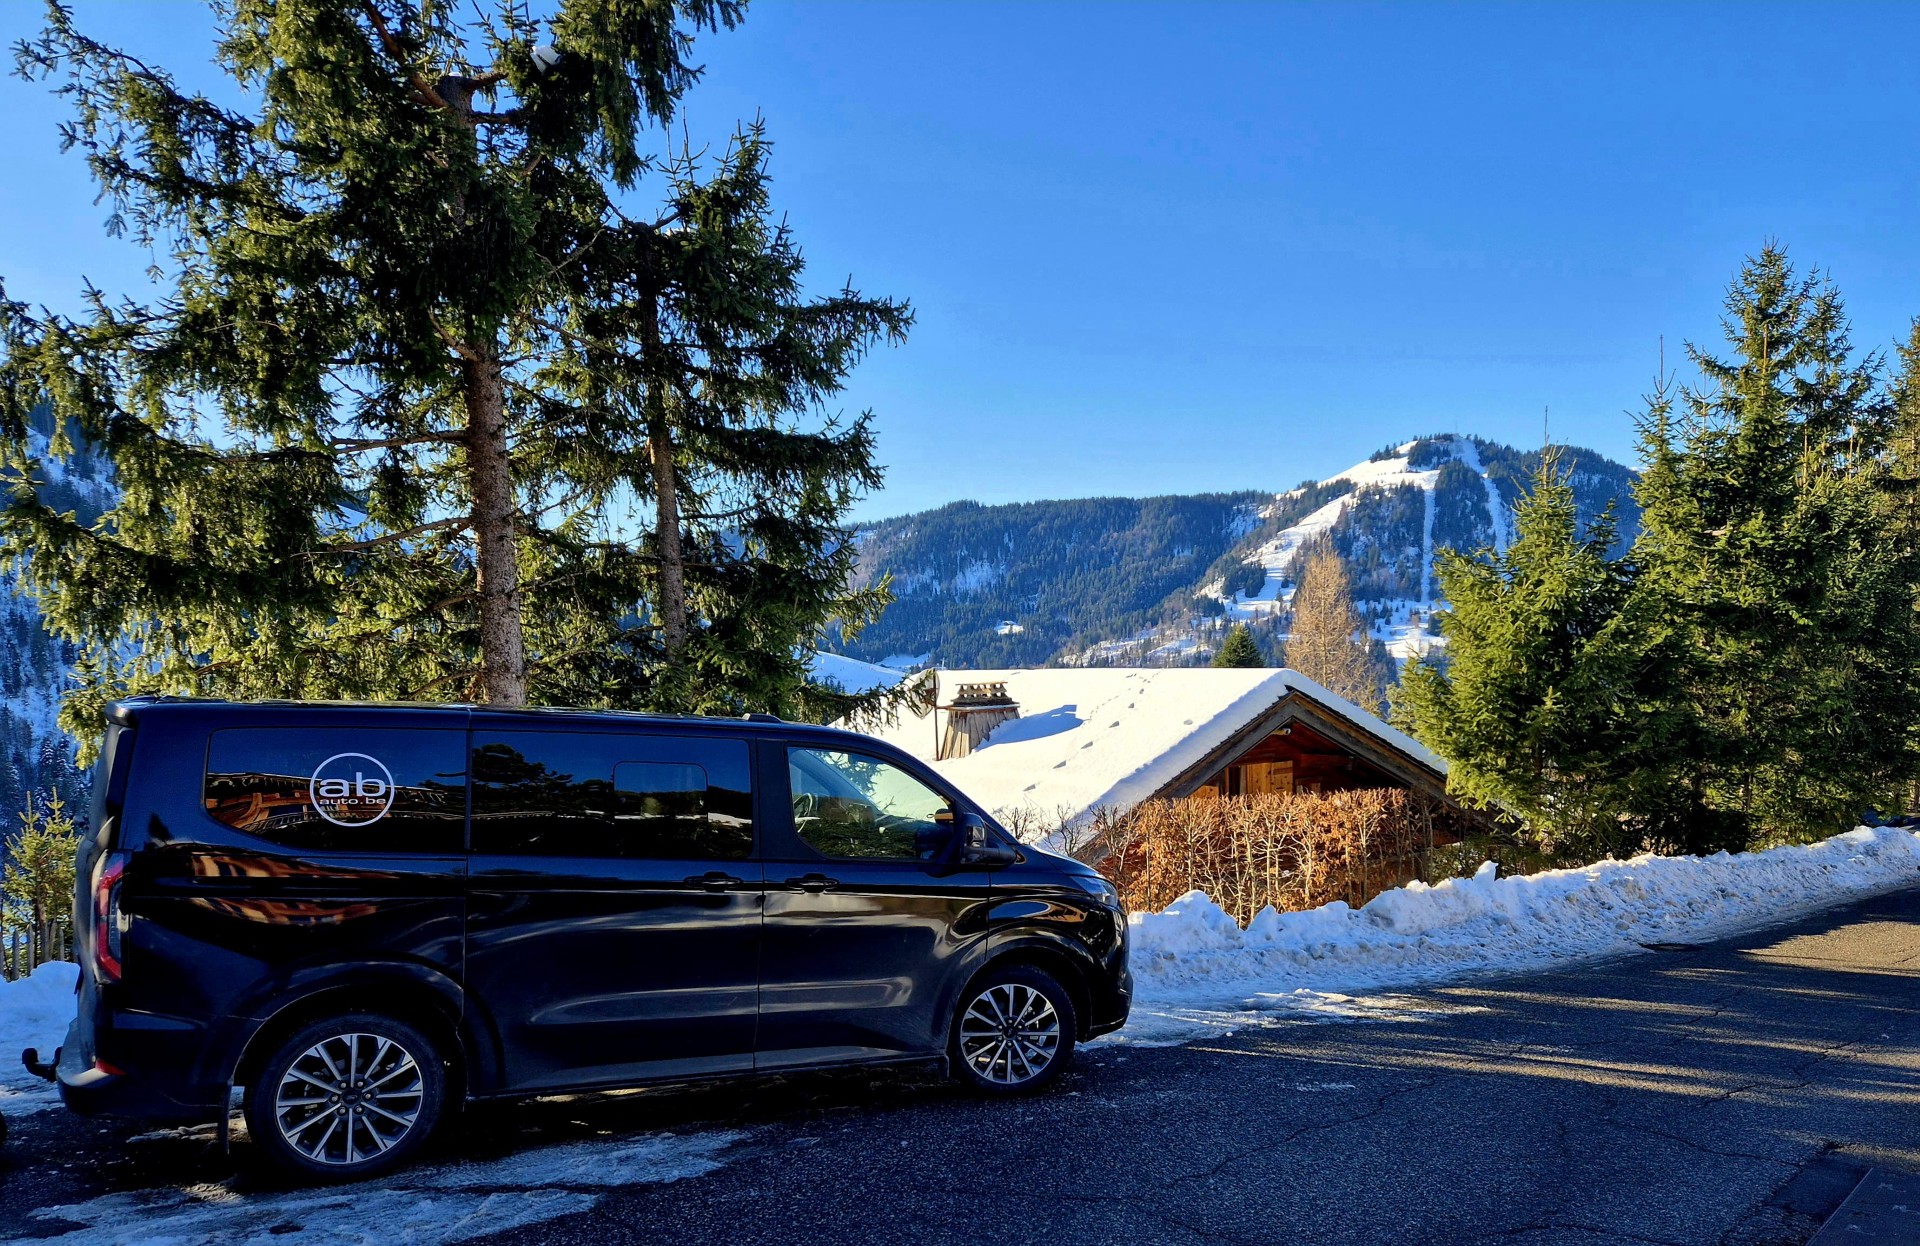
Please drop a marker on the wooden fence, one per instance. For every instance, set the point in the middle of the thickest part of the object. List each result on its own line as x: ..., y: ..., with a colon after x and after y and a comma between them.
x: 24, y: 948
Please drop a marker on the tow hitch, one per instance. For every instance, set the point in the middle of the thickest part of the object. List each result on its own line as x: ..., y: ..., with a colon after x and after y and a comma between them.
x: 39, y: 1068
x: 43, y: 1069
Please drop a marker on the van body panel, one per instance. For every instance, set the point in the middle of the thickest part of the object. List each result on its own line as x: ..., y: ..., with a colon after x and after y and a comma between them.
x: 861, y: 969
x: 612, y: 971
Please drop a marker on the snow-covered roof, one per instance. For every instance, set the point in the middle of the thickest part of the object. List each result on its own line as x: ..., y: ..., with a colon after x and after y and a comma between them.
x: 1092, y: 738
x: 851, y: 674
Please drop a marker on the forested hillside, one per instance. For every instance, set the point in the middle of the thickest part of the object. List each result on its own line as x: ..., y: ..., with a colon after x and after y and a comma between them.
x: 34, y: 755
x: 1013, y: 585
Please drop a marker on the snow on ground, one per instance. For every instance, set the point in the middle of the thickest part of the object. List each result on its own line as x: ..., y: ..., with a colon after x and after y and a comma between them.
x: 34, y: 1012
x: 1197, y: 973
x: 414, y: 1207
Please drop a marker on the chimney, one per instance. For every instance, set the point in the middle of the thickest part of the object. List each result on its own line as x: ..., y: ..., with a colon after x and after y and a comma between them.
x: 973, y: 713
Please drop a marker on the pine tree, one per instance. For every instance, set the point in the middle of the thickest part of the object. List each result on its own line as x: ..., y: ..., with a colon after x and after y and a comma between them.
x: 1534, y: 702
x: 36, y: 884
x: 420, y: 359
x: 1329, y: 641
x: 1771, y: 558
x: 1240, y: 649
x: 1902, y: 478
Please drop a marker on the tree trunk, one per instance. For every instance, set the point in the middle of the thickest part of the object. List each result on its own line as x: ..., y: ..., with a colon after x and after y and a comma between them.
x: 503, y: 654
x: 666, y: 531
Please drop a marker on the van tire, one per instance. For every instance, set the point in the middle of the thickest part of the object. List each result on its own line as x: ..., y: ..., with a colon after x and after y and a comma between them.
x: 1006, y: 1019
x: 315, y: 1080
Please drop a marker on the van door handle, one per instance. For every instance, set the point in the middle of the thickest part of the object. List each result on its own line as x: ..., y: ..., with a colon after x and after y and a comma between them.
x: 813, y: 882
x: 714, y: 881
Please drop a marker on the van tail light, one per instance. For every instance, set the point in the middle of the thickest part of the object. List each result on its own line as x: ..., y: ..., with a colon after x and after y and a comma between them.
x: 106, y: 915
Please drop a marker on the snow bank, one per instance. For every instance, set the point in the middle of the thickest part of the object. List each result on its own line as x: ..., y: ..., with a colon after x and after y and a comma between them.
x: 1197, y: 972
x: 34, y: 1012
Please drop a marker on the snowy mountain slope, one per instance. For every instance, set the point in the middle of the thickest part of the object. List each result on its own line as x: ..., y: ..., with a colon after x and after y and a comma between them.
x: 1072, y: 583
x: 1387, y: 517
x: 35, y: 756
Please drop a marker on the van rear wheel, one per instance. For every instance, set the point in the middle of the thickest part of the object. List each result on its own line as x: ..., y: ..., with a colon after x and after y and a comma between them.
x: 346, y: 1097
x: 1013, y: 1032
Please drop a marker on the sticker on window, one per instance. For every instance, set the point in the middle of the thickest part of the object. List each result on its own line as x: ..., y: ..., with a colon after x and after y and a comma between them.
x: 351, y: 789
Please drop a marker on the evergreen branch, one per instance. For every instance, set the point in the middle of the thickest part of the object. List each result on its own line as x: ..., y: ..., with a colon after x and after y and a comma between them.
x: 355, y: 445
x: 455, y: 343
x: 455, y: 522
x: 424, y: 89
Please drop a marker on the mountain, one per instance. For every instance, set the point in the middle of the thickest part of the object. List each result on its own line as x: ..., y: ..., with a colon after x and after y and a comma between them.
x: 1016, y: 585
x: 1113, y: 581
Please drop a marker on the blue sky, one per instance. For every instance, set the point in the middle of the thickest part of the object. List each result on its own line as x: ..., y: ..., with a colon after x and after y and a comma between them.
x: 1173, y: 248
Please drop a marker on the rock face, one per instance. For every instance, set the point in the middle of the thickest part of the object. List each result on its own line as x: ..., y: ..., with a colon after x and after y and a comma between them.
x: 1112, y: 581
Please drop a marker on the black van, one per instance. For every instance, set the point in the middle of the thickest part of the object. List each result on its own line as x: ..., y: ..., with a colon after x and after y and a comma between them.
x: 357, y: 912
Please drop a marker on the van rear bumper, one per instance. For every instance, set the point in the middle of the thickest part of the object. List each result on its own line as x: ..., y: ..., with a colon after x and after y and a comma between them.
x: 93, y: 1087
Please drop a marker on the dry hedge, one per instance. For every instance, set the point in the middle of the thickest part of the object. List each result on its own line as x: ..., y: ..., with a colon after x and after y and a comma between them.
x: 1293, y: 852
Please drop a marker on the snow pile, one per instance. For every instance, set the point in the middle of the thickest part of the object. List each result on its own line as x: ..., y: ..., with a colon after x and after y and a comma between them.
x: 1196, y: 972
x: 34, y: 1012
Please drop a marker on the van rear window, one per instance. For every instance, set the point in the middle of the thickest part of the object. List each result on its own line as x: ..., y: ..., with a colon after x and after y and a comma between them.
x: 340, y: 788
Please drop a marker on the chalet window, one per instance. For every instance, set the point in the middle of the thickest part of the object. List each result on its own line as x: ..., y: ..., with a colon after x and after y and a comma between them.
x: 1261, y: 778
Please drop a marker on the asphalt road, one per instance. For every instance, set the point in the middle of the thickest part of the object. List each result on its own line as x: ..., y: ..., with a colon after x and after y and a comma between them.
x: 1726, y: 1094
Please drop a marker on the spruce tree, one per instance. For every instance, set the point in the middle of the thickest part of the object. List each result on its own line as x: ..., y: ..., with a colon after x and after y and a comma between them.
x: 1771, y: 558
x: 1535, y: 700
x: 423, y: 355
x: 1328, y: 641
x: 1240, y: 649
x: 1902, y: 478
x: 36, y: 883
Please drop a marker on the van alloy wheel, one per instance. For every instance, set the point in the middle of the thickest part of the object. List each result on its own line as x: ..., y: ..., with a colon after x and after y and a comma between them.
x: 349, y: 1098
x: 1009, y: 1034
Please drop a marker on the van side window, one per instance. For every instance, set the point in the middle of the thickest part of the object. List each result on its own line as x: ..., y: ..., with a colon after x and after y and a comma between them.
x: 333, y: 789
x: 858, y: 807
x: 609, y: 794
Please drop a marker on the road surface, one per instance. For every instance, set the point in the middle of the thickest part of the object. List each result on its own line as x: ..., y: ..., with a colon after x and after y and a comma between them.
x: 1731, y: 1093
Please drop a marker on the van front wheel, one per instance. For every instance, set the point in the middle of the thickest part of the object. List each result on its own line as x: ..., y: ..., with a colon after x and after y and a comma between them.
x: 346, y: 1097
x: 1013, y: 1032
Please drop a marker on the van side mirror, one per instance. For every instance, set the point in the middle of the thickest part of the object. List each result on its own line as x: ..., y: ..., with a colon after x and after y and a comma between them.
x: 980, y: 846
